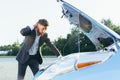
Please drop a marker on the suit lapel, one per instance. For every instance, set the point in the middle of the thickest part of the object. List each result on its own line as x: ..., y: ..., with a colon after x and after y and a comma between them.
x: 42, y: 40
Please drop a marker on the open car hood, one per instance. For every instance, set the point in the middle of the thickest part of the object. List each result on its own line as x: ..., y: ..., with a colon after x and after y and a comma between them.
x: 81, y: 60
x: 92, y: 29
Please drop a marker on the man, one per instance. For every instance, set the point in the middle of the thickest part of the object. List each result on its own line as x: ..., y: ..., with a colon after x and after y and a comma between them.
x: 29, y: 54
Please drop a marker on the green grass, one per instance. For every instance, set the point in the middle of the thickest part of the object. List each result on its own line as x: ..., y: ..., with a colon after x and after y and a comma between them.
x: 49, y: 56
x: 15, y: 56
x: 7, y: 56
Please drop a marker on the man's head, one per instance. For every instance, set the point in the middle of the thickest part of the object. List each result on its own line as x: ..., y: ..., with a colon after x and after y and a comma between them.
x: 41, y: 26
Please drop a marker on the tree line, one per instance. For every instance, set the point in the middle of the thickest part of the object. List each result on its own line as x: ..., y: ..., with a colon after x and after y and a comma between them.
x: 74, y: 42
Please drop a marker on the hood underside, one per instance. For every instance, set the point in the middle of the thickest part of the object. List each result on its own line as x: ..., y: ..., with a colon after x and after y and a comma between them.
x: 94, y: 30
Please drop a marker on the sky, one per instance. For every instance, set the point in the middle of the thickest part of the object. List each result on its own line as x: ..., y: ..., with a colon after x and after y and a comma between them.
x: 16, y: 14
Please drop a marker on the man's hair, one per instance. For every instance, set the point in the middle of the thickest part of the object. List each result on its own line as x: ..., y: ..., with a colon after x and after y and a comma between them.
x: 43, y: 22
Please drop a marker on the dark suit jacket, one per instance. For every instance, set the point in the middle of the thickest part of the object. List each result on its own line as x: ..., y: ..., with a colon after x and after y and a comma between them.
x: 23, y: 54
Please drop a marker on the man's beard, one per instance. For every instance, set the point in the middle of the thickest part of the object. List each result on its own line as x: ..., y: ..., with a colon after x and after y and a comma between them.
x: 38, y: 33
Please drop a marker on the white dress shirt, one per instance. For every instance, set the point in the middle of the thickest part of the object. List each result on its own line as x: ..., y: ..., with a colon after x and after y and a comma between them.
x: 34, y: 48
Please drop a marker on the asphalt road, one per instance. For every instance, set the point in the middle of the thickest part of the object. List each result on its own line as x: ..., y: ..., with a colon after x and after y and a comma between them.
x: 8, y: 68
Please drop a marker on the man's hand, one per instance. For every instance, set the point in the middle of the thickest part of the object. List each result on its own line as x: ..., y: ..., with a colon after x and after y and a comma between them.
x: 60, y: 57
x: 35, y: 25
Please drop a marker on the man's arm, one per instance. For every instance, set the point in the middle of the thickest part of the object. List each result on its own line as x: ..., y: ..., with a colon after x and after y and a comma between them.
x: 53, y: 47
x: 26, y: 31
